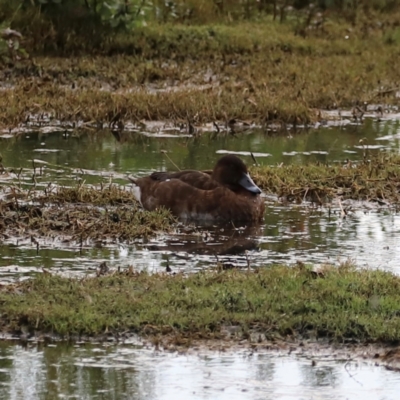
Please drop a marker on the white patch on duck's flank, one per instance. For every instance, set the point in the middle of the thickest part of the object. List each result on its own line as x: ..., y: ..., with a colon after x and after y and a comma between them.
x: 137, y: 194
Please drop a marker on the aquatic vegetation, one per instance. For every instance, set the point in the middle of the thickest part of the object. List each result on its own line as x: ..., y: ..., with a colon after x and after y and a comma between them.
x: 79, y: 214
x: 376, y: 178
x: 339, y: 303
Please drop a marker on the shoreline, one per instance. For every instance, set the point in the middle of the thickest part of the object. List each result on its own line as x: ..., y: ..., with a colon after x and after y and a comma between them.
x: 386, y: 355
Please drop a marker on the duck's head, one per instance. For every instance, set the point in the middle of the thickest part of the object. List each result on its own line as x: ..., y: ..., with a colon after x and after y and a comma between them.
x: 232, y: 172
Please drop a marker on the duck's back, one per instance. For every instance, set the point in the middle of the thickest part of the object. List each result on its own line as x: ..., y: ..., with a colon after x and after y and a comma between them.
x: 197, y: 179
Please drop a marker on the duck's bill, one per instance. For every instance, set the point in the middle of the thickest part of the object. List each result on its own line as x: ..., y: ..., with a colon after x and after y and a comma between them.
x: 248, y: 184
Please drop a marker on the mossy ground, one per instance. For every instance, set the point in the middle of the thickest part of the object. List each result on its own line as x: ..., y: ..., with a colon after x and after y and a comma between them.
x: 260, y: 71
x: 338, y: 303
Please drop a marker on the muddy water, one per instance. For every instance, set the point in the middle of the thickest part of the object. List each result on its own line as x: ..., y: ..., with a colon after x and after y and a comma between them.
x: 133, y: 372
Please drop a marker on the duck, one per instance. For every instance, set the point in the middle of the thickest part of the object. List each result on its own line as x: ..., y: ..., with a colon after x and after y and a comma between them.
x: 227, y: 193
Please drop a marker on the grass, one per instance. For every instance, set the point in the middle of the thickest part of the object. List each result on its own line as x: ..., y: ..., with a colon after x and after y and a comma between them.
x: 373, y: 179
x: 78, y: 26
x: 338, y: 303
x: 259, y: 71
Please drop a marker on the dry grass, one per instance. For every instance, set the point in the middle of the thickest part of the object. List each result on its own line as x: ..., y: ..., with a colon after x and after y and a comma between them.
x: 258, y: 72
x: 79, y: 214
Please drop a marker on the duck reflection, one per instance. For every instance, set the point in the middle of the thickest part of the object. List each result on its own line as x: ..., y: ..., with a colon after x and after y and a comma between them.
x: 213, y: 241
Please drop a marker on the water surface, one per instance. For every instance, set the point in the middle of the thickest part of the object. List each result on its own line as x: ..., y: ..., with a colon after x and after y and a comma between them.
x: 134, y: 372
x: 99, y: 155
x: 369, y: 235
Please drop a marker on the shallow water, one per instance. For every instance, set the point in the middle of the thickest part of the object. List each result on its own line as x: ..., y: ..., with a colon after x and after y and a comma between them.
x: 290, y: 233
x: 135, y: 372
x: 97, y: 156
x: 369, y: 235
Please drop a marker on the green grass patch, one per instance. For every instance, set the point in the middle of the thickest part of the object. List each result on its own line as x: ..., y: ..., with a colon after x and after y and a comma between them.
x: 338, y: 303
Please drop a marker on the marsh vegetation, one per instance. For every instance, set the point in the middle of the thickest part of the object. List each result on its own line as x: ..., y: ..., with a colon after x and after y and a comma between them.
x: 190, y: 68
x: 79, y: 214
x: 339, y: 303
x: 264, y: 63
x: 375, y: 179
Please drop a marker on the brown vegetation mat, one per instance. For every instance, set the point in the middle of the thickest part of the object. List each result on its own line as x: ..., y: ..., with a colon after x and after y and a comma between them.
x: 260, y: 72
x: 373, y: 179
x: 80, y: 214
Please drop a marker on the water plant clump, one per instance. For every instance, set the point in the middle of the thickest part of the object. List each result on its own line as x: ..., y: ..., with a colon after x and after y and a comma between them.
x: 340, y: 303
x: 79, y: 214
x: 376, y: 178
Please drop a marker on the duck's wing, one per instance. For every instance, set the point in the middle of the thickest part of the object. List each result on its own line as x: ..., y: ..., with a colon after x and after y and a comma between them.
x: 196, y: 179
x: 164, y: 176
